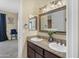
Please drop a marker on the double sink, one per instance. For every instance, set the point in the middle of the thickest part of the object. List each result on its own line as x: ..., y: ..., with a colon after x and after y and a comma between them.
x: 53, y: 45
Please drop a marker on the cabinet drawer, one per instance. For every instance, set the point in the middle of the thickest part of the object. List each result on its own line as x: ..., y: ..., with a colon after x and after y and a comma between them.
x: 50, y: 55
x: 36, y: 48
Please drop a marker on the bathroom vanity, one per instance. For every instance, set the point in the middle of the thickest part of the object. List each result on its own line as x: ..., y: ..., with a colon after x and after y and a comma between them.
x: 41, y: 49
x: 54, y: 20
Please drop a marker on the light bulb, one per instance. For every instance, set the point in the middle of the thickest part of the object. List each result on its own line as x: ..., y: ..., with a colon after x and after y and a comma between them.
x: 44, y: 10
x: 59, y: 3
x: 52, y: 5
x: 64, y: 2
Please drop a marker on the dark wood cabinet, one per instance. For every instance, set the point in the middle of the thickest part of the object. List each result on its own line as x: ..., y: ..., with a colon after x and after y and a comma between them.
x: 31, y: 53
x: 48, y: 54
x: 34, y: 51
x: 38, y: 55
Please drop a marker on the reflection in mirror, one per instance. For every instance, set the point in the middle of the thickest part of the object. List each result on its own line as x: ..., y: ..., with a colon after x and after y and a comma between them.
x: 54, y: 20
x: 32, y: 23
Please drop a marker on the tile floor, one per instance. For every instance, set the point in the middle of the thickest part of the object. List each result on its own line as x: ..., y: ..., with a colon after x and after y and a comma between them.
x: 9, y: 49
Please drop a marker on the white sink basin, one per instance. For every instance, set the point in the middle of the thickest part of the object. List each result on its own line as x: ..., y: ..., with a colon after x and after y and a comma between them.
x: 36, y: 39
x: 57, y: 47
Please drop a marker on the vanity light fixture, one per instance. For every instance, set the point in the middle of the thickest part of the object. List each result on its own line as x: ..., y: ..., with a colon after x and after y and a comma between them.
x: 59, y: 4
x: 53, y: 5
x: 30, y: 16
x: 64, y: 2
x: 44, y: 9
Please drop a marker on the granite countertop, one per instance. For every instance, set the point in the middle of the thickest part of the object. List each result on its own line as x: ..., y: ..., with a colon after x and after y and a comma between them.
x: 44, y: 44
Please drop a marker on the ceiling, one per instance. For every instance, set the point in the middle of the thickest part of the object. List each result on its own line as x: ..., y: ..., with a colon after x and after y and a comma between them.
x: 9, y: 5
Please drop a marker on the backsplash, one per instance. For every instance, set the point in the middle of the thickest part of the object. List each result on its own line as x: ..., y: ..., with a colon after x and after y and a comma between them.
x: 57, y: 36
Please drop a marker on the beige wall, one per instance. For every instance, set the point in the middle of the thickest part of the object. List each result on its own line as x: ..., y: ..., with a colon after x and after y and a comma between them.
x: 31, y: 7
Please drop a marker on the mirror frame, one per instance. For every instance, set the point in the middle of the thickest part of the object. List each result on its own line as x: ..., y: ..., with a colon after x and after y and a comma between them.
x: 51, y: 11
x: 35, y: 17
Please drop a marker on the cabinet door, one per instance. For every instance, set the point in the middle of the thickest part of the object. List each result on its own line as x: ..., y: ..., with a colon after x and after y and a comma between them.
x: 36, y: 48
x: 50, y: 55
x: 38, y: 56
x: 30, y: 53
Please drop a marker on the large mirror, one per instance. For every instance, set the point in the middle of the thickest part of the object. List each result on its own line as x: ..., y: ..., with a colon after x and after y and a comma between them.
x: 32, y: 23
x: 53, y: 20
